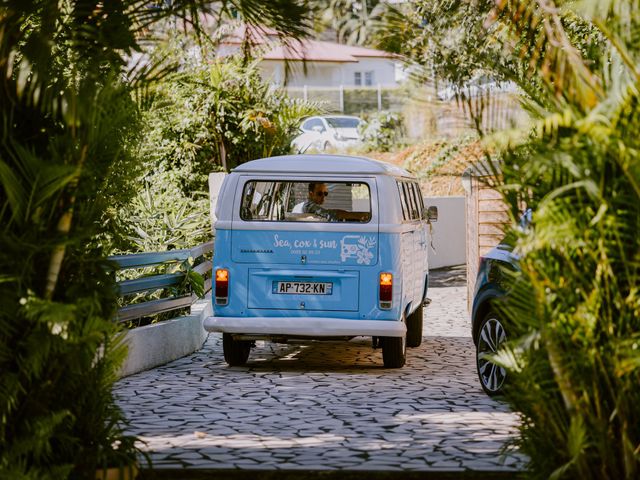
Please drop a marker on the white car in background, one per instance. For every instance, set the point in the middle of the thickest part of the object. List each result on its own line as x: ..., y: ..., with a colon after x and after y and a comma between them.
x: 327, y: 132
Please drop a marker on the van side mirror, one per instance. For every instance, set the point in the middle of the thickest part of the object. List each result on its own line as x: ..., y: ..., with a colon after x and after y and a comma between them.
x: 430, y: 214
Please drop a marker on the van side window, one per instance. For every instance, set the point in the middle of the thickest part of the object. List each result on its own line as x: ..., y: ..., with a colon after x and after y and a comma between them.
x: 303, y: 201
x: 419, y: 199
x: 411, y: 201
x: 403, y: 202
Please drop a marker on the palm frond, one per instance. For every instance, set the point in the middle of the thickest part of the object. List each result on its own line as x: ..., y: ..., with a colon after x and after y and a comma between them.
x: 550, y: 53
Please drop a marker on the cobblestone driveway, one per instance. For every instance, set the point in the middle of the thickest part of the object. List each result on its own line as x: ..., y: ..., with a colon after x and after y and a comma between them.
x: 328, y: 406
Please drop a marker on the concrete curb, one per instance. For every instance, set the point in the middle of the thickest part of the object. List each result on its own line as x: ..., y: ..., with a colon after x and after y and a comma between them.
x: 283, y: 474
x: 163, y: 342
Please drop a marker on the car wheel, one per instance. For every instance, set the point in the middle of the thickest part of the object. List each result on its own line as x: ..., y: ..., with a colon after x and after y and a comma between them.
x: 326, y: 146
x: 491, y: 335
x: 414, y: 327
x: 236, y: 352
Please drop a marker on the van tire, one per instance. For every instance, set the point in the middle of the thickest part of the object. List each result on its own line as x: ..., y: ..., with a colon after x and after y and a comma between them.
x: 394, y: 351
x: 414, y: 327
x: 236, y: 352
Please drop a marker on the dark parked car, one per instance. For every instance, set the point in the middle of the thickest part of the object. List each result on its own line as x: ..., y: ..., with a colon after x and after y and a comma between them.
x: 488, y: 328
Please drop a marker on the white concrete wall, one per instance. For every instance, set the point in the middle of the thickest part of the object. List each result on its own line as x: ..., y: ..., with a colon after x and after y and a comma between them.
x: 448, y: 233
x: 329, y: 74
x: 163, y: 342
x: 325, y: 74
x: 384, y: 71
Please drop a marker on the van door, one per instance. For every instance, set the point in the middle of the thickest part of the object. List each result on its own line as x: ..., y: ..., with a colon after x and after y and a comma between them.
x: 301, y: 256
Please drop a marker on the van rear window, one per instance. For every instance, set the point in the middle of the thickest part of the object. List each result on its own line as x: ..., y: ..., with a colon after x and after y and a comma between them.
x: 278, y: 201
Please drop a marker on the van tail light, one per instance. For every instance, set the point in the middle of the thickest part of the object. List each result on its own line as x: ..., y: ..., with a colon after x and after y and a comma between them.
x: 386, y: 290
x: 222, y: 286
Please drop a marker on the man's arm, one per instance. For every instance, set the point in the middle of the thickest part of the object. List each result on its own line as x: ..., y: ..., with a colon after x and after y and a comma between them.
x: 314, y: 208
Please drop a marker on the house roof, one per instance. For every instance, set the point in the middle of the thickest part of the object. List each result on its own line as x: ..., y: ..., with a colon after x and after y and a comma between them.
x: 301, y: 50
x: 257, y: 35
x: 316, y: 51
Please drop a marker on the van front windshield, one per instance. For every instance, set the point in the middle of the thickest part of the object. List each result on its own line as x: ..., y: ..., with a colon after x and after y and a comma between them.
x: 280, y: 201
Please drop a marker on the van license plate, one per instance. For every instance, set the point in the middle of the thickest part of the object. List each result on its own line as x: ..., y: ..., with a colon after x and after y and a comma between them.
x: 303, y: 288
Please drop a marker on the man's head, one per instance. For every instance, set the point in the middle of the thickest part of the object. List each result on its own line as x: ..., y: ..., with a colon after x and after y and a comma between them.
x: 318, y: 192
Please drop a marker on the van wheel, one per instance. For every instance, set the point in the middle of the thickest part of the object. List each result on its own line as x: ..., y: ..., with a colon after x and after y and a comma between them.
x: 414, y: 327
x: 394, y: 351
x: 236, y: 352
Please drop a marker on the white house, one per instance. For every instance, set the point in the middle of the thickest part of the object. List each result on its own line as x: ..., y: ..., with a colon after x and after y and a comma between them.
x: 315, y: 63
x: 329, y: 64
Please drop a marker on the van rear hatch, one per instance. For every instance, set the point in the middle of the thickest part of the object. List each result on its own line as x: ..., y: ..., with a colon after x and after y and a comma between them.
x: 304, y: 270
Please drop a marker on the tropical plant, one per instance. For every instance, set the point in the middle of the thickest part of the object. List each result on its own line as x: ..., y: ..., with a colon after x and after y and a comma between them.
x: 216, y: 115
x: 381, y: 131
x: 355, y: 22
x: 66, y: 165
x: 250, y: 118
x: 162, y: 218
x: 440, y: 155
x: 202, y: 119
x: 574, y: 318
x: 576, y: 362
x: 457, y: 43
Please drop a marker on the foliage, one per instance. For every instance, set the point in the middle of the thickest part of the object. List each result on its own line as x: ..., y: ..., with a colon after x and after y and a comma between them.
x: 251, y: 119
x: 161, y: 217
x: 58, y: 414
x: 355, y: 22
x: 381, y: 131
x: 66, y: 167
x: 440, y: 155
x: 204, y: 118
x: 218, y: 116
x: 463, y: 42
x: 573, y: 314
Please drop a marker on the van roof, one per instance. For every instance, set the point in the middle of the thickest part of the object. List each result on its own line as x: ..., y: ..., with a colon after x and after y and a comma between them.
x: 327, y: 164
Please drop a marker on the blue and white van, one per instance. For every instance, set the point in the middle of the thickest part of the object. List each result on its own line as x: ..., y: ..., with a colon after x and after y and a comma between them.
x: 320, y: 247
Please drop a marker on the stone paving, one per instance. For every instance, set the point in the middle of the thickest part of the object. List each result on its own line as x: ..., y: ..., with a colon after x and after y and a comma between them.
x: 328, y: 406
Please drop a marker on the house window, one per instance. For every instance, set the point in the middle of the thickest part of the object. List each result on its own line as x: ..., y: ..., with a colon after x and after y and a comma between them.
x: 363, y: 78
x: 368, y: 78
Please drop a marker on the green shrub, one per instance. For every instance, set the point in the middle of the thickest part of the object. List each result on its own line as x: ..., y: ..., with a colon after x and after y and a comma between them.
x: 381, y: 131
x: 57, y: 294
x: 573, y: 316
x: 204, y: 119
x: 161, y: 217
x: 217, y: 116
x: 574, y: 312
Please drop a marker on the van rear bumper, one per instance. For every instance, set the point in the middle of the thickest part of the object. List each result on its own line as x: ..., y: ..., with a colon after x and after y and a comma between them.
x: 305, y: 326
